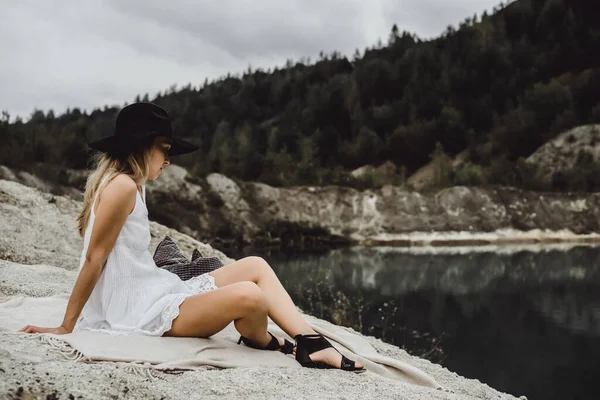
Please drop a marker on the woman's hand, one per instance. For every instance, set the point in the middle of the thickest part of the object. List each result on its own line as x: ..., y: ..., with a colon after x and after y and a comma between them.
x: 61, y: 330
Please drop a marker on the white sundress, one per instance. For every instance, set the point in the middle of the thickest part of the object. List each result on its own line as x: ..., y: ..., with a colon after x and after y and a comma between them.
x: 133, y: 295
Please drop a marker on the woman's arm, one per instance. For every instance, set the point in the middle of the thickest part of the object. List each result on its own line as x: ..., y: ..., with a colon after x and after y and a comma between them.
x: 114, y: 206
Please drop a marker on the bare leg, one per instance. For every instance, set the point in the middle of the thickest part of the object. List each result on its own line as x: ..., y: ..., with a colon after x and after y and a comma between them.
x: 281, y: 308
x: 205, y: 314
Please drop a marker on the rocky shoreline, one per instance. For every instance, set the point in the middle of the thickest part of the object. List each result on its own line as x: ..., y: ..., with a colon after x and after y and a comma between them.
x: 37, y: 230
x: 231, y: 214
x: 506, y: 237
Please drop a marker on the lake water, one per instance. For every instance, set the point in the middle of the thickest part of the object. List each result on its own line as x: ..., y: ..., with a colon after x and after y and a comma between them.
x: 525, y: 321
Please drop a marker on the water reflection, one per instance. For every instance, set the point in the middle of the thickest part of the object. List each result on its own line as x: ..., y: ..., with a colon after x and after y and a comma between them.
x: 525, y: 322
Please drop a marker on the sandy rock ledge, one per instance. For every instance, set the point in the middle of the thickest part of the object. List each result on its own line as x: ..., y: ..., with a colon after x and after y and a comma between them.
x: 39, y: 254
x: 30, y: 370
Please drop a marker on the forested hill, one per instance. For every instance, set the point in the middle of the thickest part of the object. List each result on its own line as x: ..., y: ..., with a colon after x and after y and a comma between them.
x: 497, y: 85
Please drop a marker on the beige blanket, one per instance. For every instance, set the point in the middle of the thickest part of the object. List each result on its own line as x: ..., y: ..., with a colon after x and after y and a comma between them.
x: 165, y: 353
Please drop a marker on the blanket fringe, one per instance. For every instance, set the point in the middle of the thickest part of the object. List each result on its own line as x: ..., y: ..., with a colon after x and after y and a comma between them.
x: 60, y: 346
x: 145, y: 370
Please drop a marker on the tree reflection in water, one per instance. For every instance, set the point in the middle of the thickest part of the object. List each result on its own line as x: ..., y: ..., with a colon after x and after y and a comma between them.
x: 523, y: 321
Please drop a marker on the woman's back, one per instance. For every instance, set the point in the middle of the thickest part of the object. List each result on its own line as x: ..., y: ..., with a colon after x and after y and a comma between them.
x: 135, y: 233
x: 132, y: 294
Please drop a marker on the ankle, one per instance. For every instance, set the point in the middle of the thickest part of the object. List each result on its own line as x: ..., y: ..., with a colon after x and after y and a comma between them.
x: 306, y: 332
x: 265, y: 339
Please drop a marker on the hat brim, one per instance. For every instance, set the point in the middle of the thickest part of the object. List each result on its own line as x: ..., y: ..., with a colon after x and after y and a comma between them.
x: 106, y: 145
x: 112, y: 144
x: 179, y: 147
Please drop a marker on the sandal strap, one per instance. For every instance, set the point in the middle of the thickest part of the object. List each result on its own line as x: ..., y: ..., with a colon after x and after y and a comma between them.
x: 348, y: 364
x: 273, y: 344
x: 287, y: 348
x: 312, y: 343
x: 308, y: 344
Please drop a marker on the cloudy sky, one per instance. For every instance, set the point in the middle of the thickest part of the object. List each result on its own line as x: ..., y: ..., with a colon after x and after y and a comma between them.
x: 57, y: 54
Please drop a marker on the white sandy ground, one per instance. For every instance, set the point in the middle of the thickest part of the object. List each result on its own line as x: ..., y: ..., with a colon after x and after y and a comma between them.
x: 30, y: 370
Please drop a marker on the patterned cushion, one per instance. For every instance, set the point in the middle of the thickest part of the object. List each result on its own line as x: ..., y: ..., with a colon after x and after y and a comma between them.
x: 199, y: 266
x: 169, y: 257
x: 167, y: 253
x: 196, y: 254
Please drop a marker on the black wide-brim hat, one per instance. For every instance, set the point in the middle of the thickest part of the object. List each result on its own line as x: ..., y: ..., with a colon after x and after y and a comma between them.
x: 137, y: 123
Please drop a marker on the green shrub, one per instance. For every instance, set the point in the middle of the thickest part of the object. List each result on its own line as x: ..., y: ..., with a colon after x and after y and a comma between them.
x: 468, y: 175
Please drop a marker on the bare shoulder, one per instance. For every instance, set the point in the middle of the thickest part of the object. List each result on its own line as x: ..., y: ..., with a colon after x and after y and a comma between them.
x: 119, y: 192
x: 122, y: 182
x: 116, y: 202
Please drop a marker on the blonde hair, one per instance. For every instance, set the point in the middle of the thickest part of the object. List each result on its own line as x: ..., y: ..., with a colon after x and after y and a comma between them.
x: 136, y: 165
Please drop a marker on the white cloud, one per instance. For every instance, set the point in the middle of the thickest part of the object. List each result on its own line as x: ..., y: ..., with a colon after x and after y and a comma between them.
x: 59, y: 54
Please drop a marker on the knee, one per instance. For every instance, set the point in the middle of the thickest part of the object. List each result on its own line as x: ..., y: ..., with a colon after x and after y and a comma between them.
x: 259, y: 265
x: 251, y: 298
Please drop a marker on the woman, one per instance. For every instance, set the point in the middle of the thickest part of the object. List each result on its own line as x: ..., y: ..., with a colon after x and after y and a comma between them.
x: 119, y: 289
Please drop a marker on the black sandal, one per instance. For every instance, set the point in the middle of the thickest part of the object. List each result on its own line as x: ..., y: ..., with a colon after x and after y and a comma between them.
x: 287, y: 347
x: 308, y: 344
